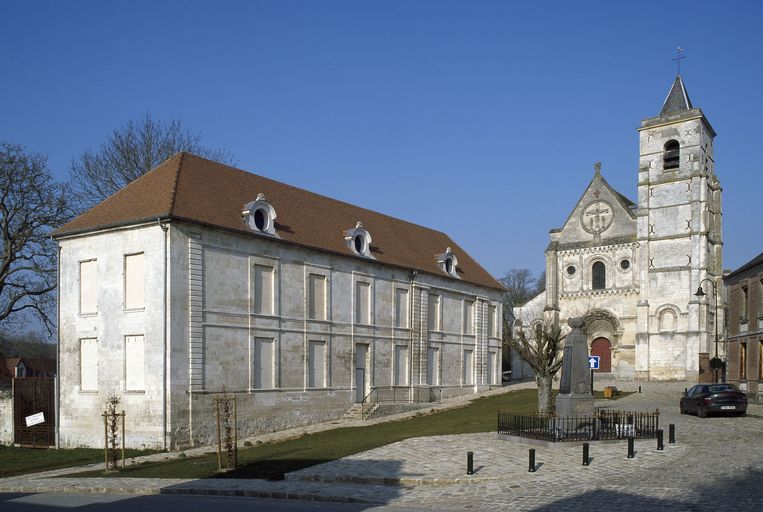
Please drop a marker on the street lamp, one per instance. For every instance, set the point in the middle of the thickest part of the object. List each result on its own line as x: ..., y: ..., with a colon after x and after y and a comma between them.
x: 715, y: 362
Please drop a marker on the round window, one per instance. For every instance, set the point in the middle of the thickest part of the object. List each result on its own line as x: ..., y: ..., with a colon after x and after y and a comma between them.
x: 260, y: 219
x: 571, y: 270
x: 625, y: 264
x: 360, y: 244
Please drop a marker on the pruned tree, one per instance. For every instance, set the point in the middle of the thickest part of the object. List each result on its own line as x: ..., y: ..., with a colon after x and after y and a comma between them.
x: 130, y: 152
x: 540, y: 344
x: 31, y: 205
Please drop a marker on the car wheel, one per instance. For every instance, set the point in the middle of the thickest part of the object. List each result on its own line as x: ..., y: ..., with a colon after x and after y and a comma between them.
x: 681, y: 408
x: 743, y: 413
x: 702, y: 411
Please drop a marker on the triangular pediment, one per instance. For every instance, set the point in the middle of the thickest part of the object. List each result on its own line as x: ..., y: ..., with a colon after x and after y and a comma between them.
x: 602, y: 215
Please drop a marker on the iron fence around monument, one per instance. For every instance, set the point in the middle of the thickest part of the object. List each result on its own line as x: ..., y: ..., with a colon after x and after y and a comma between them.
x: 602, y: 426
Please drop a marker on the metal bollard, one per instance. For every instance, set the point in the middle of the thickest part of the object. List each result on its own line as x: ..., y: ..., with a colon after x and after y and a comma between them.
x: 469, y: 463
x: 671, y: 433
x: 631, y: 452
x: 639, y: 389
x: 585, y: 453
x: 660, y: 440
x: 531, y: 467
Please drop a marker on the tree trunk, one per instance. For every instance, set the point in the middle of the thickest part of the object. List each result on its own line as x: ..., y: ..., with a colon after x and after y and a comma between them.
x: 544, y: 393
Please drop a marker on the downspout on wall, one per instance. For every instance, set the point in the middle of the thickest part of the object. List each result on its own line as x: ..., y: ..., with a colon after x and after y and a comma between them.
x: 57, y: 404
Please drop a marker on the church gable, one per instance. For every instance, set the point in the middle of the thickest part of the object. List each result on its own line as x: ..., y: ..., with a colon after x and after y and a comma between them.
x: 601, y: 216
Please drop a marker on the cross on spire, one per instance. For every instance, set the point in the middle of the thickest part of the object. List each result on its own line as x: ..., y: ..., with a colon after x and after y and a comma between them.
x: 679, y: 56
x: 597, y: 167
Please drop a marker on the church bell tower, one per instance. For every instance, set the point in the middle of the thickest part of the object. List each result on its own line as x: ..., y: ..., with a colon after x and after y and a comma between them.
x: 680, y: 243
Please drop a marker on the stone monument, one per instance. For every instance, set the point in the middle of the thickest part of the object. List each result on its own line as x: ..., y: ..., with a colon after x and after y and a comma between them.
x: 575, y: 394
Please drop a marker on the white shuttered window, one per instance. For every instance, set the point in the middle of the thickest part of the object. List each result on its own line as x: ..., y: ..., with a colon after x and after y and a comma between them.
x: 134, y: 281
x: 88, y: 287
x: 88, y: 364
x: 135, y: 363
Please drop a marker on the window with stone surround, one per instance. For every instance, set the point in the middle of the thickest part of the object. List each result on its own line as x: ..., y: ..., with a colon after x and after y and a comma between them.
x: 135, y: 363
x: 760, y: 299
x: 362, y: 303
x: 672, y: 155
x: 468, y: 376
x: 598, y: 276
x: 401, y: 307
x: 317, y: 365
x: 743, y: 361
x: 401, y: 365
x: 263, y: 290
x: 492, y: 321
x: 433, y: 314
x: 743, y: 304
x: 760, y: 360
x: 263, y: 363
x: 316, y: 297
x: 88, y: 364
x: 468, y: 317
x: 134, y: 282
x: 88, y: 287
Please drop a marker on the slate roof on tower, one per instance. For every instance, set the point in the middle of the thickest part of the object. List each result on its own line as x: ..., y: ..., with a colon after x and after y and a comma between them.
x: 677, y: 100
x: 192, y: 189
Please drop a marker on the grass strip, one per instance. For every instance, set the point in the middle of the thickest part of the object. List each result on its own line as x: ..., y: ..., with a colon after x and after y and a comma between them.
x: 19, y: 461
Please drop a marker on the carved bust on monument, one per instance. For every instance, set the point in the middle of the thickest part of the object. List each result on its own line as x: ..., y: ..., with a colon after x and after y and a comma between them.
x: 575, y: 394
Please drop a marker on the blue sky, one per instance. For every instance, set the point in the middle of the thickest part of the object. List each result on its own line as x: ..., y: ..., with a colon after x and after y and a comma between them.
x: 480, y: 119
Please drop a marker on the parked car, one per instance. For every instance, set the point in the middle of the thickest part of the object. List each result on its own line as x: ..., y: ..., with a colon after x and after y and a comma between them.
x: 706, y: 399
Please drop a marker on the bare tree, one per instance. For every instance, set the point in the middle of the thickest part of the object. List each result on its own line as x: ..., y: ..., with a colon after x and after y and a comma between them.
x: 130, y: 152
x: 520, y: 287
x: 540, y: 345
x: 31, y: 205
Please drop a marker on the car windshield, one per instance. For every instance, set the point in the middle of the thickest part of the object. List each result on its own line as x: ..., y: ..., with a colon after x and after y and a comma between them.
x: 721, y: 388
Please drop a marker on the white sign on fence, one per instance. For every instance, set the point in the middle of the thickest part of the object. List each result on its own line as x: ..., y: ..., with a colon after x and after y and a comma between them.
x: 35, y: 419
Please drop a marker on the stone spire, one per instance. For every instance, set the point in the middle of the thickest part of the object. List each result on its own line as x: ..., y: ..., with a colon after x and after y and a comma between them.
x: 677, y: 100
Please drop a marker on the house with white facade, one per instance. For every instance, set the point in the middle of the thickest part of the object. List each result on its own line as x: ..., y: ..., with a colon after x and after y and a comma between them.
x: 199, y: 277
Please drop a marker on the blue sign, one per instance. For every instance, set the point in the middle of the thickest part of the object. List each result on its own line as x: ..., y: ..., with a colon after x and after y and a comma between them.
x: 593, y: 362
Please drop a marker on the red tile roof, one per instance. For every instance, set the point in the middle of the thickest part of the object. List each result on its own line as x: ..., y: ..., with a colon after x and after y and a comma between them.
x: 190, y: 188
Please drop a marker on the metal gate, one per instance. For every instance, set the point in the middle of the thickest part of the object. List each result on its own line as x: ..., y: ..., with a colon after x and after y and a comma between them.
x: 32, y: 396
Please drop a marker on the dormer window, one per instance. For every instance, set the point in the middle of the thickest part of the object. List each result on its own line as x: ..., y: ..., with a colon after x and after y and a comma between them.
x: 260, y: 216
x: 359, y: 240
x: 672, y: 155
x: 448, y: 263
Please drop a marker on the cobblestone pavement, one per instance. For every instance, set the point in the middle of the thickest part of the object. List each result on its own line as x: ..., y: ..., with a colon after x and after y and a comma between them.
x: 715, y: 465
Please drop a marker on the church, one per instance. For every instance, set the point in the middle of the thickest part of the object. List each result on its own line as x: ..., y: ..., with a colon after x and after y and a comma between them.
x: 632, y: 269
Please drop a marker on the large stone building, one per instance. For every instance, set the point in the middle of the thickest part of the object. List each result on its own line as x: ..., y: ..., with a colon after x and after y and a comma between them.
x: 632, y: 269
x: 745, y: 324
x: 198, y: 277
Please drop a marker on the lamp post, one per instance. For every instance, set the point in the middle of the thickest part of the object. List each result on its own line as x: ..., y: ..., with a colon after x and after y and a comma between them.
x: 715, y: 362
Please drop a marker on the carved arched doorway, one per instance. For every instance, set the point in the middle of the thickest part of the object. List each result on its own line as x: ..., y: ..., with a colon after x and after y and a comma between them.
x: 603, y: 348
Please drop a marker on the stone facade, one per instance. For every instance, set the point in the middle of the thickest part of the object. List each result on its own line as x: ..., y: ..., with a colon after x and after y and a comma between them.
x: 226, y: 311
x: 632, y: 269
x: 744, y: 364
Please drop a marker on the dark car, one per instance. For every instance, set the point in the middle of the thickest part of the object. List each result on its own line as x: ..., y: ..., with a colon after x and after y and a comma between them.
x: 706, y: 399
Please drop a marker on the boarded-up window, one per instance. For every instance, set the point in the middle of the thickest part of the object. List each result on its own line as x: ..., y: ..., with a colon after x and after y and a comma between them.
x: 401, y: 366
x: 316, y: 297
x: 492, y: 321
x: 492, y: 358
x: 264, y: 363
x: 401, y: 307
x: 134, y: 281
x: 88, y: 287
x: 317, y: 365
x: 468, y: 368
x: 88, y: 364
x: 362, y: 303
x: 263, y: 290
x: 468, y: 317
x: 434, y: 313
x: 667, y: 320
x: 433, y: 366
x: 134, y: 363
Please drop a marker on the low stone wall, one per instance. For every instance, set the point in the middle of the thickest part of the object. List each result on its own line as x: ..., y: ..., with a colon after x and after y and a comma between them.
x: 6, y: 416
x: 389, y: 409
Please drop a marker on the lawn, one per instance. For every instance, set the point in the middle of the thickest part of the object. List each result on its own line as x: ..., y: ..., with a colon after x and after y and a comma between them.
x: 272, y: 460
x: 19, y: 461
